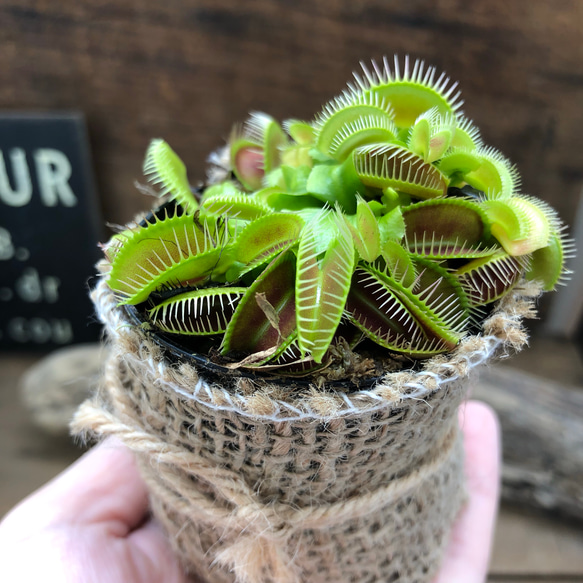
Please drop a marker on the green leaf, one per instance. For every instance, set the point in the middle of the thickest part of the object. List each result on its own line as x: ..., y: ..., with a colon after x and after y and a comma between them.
x: 419, y: 137
x: 376, y: 310
x: 437, y: 302
x: 320, y: 157
x: 410, y: 92
x: 321, y: 184
x: 343, y: 122
x: 302, y: 132
x: 459, y: 162
x: 431, y: 135
x: 267, y: 234
x: 226, y: 188
x: 200, y: 312
x: 262, y: 239
x: 322, y: 283
x: 261, y: 129
x: 282, y: 201
x: 365, y: 232
x: 494, y: 176
x: 348, y: 182
x: 395, y: 317
x: 466, y: 135
x: 442, y: 295
x: 390, y: 198
x: 439, y: 143
x: 169, y: 251
x: 256, y: 149
x: 519, y: 224
x: 487, y: 279
x: 337, y: 184
x: 548, y: 263
x: 248, y: 163
x: 250, y: 329
x: 368, y: 129
x: 399, y: 263
x: 392, y: 225
x: 446, y: 229
x: 239, y: 206
x: 296, y: 179
x: 164, y: 168
x: 388, y: 165
x: 324, y: 230
x: 274, y: 141
x: 295, y: 156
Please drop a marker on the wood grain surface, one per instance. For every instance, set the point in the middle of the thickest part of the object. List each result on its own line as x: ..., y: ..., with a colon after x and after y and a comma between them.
x: 187, y: 70
x: 543, y: 439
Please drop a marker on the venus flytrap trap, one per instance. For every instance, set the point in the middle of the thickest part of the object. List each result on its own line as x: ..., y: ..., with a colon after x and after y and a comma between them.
x: 384, y: 218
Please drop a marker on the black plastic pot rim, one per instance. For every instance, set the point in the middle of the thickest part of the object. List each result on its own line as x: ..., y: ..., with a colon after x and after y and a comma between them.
x: 175, y: 353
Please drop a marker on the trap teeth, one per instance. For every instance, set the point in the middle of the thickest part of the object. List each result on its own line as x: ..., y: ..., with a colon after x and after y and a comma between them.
x: 410, y: 92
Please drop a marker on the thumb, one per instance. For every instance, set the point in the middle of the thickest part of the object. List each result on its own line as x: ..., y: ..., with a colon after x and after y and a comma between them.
x: 153, y: 558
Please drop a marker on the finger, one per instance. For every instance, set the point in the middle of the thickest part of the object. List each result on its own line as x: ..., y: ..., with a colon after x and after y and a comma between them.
x: 102, y: 486
x: 468, y: 554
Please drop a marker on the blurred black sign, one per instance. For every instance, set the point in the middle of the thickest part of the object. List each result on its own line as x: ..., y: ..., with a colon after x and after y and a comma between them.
x: 49, y: 228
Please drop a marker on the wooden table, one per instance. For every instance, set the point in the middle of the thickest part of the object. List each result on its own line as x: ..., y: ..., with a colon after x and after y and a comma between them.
x: 527, y: 549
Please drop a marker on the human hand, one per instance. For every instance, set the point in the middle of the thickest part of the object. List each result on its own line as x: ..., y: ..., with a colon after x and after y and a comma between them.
x: 88, y: 525
x: 468, y: 553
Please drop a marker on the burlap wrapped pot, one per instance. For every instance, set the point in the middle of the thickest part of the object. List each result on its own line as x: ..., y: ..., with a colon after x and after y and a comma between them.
x: 256, y: 483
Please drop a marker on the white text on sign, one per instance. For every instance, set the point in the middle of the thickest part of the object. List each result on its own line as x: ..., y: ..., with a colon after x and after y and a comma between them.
x: 53, y: 171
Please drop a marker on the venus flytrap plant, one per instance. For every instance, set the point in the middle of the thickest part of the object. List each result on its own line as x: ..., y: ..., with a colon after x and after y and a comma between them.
x: 385, y: 218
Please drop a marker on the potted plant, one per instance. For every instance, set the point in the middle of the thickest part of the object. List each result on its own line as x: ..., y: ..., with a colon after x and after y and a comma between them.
x: 290, y: 341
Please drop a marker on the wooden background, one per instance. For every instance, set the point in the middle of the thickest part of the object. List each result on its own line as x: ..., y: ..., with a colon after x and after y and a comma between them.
x: 187, y: 70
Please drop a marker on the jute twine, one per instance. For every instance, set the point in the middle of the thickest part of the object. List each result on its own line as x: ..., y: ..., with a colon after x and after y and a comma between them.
x: 259, y: 484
